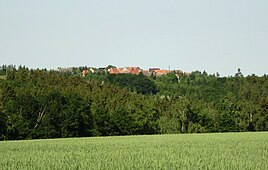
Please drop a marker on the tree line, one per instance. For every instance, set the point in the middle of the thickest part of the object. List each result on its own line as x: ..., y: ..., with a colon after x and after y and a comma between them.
x: 40, y: 103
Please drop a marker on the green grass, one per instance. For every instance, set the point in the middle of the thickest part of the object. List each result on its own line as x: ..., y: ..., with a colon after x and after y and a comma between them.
x: 183, y: 151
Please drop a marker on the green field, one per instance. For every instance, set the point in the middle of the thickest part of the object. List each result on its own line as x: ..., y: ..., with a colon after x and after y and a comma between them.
x: 183, y: 151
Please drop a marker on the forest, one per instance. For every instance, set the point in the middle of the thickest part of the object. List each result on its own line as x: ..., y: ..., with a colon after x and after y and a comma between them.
x: 40, y: 103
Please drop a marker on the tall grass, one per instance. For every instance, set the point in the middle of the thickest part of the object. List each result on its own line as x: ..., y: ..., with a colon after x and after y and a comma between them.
x: 183, y: 151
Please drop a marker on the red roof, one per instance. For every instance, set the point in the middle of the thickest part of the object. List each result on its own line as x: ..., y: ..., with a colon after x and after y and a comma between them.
x: 134, y: 70
x: 84, y: 72
x: 113, y: 71
x: 130, y: 70
x: 161, y: 72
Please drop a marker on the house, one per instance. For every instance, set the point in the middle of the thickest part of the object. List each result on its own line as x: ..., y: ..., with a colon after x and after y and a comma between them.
x: 92, y: 70
x: 123, y: 71
x: 126, y: 70
x: 65, y: 70
x: 84, y: 72
x: 138, y: 70
x: 161, y: 72
x: 147, y: 73
x: 153, y: 69
x: 113, y: 70
x: 134, y: 70
x: 178, y: 71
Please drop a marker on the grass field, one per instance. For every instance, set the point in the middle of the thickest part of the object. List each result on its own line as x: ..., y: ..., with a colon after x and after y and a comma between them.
x: 183, y: 151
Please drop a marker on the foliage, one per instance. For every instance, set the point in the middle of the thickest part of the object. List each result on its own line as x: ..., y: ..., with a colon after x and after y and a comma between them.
x: 53, y: 104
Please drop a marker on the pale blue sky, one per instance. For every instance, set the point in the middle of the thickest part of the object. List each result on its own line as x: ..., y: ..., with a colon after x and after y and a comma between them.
x: 212, y: 35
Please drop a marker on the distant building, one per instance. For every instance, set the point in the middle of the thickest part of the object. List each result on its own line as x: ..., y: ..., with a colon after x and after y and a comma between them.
x: 123, y: 71
x: 113, y: 70
x: 153, y: 69
x: 127, y: 70
x: 92, y: 70
x: 147, y: 73
x: 134, y: 70
x: 65, y: 70
x: 161, y: 72
x: 84, y: 72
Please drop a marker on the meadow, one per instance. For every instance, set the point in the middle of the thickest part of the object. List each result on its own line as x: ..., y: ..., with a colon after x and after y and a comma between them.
x: 180, y: 151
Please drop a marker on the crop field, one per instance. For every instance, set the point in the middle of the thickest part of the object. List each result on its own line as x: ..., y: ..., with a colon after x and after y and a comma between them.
x: 182, y: 151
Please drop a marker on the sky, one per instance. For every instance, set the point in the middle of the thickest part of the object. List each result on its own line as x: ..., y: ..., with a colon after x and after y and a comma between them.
x: 212, y: 35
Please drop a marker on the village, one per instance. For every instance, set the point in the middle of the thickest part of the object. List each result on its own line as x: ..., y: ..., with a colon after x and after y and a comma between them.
x: 128, y: 70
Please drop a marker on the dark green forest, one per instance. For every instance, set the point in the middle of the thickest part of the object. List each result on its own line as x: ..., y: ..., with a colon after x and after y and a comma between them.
x: 40, y: 103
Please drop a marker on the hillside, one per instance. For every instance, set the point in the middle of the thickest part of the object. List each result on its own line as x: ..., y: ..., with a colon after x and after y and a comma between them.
x: 38, y: 104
